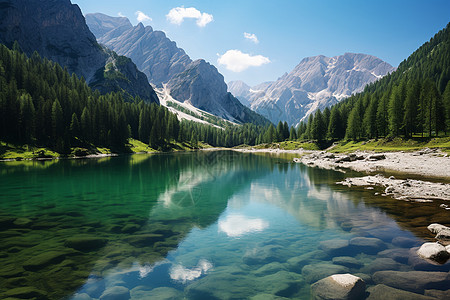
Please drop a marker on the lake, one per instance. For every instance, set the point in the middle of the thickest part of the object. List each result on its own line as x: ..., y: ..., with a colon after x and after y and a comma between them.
x: 199, y: 225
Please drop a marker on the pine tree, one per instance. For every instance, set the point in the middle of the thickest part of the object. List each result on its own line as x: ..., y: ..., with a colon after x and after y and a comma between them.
x: 57, y: 120
x: 395, y: 111
x: 292, y: 134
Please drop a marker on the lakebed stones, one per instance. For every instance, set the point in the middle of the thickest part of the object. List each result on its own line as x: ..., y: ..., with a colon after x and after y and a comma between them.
x: 335, y: 247
x: 161, y: 293
x: 383, y: 292
x: 367, y: 245
x: 85, y: 243
x: 347, y: 261
x: 116, y: 293
x: 380, y: 264
x: 413, y: 281
x: 434, y: 251
x: 400, y: 255
x: 27, y: 292
x: 43, y: 260
x: 443, y: 236
x: 315, y: 272
x: 404, y: 242
x: 339, y: 286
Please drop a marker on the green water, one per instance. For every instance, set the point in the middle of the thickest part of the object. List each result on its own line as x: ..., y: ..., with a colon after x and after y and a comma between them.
x: 214, y: 225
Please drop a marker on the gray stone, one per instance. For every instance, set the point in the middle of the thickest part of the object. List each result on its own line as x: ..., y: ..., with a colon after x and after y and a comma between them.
x: 413, y: 281
x: 315, y: 272
x: 82, y: 296
x: 296, y: 263
x: 434, y: 251
x: 347, y: 261
x: 335, y: 247
x: 435, y: 228
x: 161, y: 293
x: 404, y: 242
x: 383, y: 292
x: 116, y: 293
x: 438, y: 294
x: 380, y: 264
x: 400, y: 255
x: 443, y: 236
x: 85, y: 242
x: 262, y: 255
x: 366, y: 245
x: 339, y: 287
x: 271, y: 268
x: 422, y: 264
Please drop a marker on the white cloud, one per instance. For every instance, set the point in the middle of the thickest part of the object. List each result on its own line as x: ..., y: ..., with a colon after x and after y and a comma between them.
x: 141, y: 17
x: 182, y: 274
x: 178, y: 14
x: 237, y: 225
x: 120, y: 14
x: 252, y: 37
x: 236, y: 61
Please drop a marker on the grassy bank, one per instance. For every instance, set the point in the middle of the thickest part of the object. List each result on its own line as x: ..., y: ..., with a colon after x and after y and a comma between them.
x: 18, y: 152
x: 391, y: 145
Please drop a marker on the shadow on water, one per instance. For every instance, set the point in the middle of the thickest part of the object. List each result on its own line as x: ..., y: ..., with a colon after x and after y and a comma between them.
x: 63, y: 221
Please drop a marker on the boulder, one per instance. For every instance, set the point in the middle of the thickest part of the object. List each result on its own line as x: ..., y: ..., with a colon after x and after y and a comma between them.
x: 85, y: 243
x: 382, y: 263
x: 82, y: 296
x: 443, y: 236
x: 438, y: 294
x: 413, y: 281
x: 142, y: 240
x: 339, y: 287
x: 315, y: 272
x: 335, y: 247
x: 404, y: 242
x: 43, y: 260
x: 400, y: 255
x: 434, y: 251
x: 116, y: 293
x: 296, y: 263
x: 377, y: 157
x: 262, y: 255
x: 271, y: 268
x: 26, y: 292
x: 161, y: 293
x: 422, y: 264
x: 383, y: 292
x: 366, y: 245
x: 435, y: 228
x: 347, y: 261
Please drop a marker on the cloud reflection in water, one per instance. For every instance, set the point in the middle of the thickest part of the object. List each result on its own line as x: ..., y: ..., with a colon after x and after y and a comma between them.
x: 238, y: 225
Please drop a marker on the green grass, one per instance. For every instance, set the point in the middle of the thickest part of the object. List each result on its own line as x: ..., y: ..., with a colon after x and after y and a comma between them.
x: 391, y: 145
x: 137, y: 146
x: 11, y: 151
x: 289, y: 145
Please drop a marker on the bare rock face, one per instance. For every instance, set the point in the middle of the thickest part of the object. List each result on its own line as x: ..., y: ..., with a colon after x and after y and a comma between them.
x: 315, y: 83
x: 57, y: 30
x: 339, y: 287
x: 196, y: 82
x: 100, y: 24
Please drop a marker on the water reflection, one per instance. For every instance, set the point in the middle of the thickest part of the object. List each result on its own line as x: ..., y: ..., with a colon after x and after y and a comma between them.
x: 197, y: 225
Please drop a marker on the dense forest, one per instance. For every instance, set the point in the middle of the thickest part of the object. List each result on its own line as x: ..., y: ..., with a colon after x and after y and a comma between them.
x: 412, y: 101
x: 42, y: 104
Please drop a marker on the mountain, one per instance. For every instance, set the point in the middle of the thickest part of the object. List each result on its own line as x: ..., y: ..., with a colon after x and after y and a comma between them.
x: 103, y: 24
x: 171, y: 69
x: 315, y: 83
x: 57, y: 30
x: 241, y: 90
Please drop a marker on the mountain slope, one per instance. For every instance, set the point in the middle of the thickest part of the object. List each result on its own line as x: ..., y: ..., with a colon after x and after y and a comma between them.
x: 57, y: 30
x: 167, y: 66
x: 315, y: 83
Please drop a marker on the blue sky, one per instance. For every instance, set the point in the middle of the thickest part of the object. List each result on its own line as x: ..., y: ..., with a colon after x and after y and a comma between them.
x: 286, y: 30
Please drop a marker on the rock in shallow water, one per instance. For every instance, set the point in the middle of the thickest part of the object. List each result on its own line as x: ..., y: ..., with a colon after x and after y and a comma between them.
x: 315, y: 272
x: 413, y: 281
x: 116, y: 293
x: 383, y: 292
x: 27, y: 292
x: 161, y: 293
x: 335, y: 247
x: 339, y: 287
x: 85, y: 243
x: 43, y: 260
x: 347, y: 261
x: 367, y: 245
x: 435, y: 228
x: 434, y: 251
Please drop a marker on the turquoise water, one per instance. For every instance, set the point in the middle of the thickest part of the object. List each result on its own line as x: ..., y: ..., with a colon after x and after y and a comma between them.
x: 213, y: 225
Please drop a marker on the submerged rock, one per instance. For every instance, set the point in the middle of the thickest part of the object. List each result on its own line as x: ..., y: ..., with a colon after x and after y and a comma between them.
x: 315, y: 272
x: 142, y: 240
x: 116, y: 293
x: 347, y: 261
x: 382, y: 263
x: 434, y: 251
x: 26, y: 292
x: 335, y: 247
x: 404, y: 242
x: 339, y: 286
x: 85, y: 243
x: 383, y: 292
x: 438, y: 294
x: 43, y: 260
x: 400, y: 255
x: 296, y: 263
x: 161, y: 293
x: 413, y: 281
x: 367, y: 245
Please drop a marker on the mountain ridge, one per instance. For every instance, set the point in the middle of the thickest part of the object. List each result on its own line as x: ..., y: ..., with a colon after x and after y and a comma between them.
x: 315, y: 83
